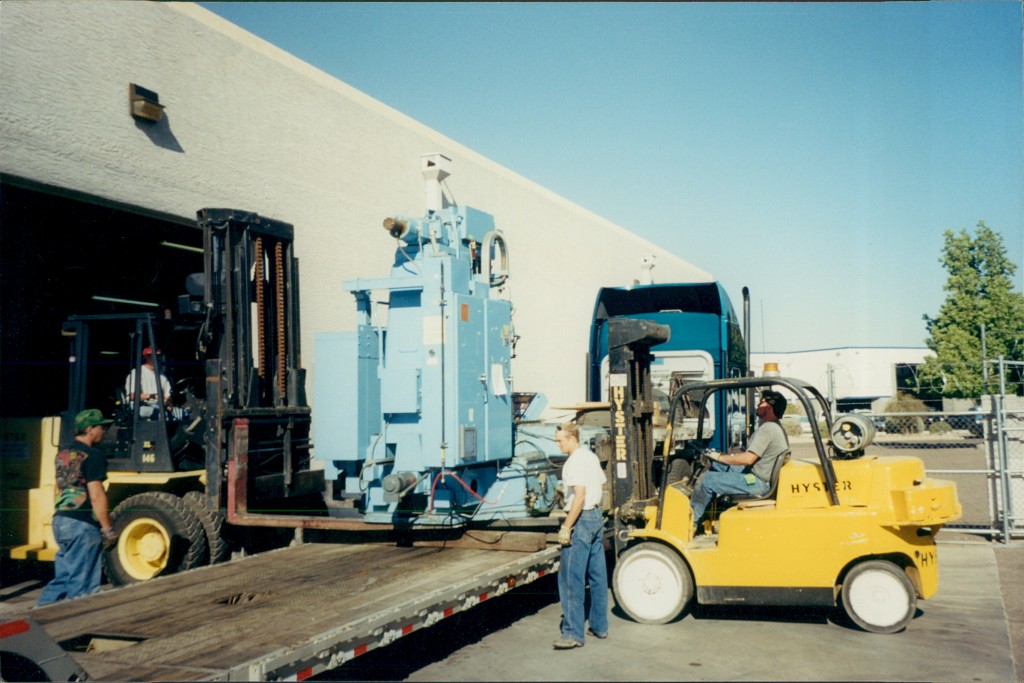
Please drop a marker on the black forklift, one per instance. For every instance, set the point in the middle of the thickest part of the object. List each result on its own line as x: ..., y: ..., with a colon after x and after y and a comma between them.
x: 227, y: 378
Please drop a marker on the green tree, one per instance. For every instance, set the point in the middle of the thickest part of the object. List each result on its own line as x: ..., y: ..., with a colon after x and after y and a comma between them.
x: 979, y: 292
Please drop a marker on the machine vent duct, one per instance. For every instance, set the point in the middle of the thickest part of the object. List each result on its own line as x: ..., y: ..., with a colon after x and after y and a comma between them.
x: 436, y: 167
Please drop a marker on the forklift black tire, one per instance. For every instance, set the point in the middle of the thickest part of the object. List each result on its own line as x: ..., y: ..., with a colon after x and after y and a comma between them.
x: 158, y: 534
x: 878, y: 597
x: 652, y: 584
x: 213, y: 526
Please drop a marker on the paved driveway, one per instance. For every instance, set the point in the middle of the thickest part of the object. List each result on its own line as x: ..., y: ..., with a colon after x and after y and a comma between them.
x: 962, y: 634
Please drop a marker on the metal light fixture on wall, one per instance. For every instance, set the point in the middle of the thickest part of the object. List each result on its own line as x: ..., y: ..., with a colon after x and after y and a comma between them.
x: 144, y: 103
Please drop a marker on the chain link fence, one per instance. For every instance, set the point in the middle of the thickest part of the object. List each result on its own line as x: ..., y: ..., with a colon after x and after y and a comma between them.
x: 981, y: 449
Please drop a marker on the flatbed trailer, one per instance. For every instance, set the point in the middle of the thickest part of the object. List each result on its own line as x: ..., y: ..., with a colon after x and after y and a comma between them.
x: 285, y: 614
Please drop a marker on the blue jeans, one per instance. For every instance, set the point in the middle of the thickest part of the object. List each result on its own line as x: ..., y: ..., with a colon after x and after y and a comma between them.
x: 722, y: 479
x: 77, y: 568
x: 583, y: 561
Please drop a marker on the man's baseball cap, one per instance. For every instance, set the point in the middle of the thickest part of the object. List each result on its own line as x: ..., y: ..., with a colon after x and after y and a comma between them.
x: 148, y: 351
x: 90, y: 418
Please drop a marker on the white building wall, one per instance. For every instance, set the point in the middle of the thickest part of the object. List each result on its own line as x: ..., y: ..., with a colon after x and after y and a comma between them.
x: 855, y: 372
x: 249, y: 126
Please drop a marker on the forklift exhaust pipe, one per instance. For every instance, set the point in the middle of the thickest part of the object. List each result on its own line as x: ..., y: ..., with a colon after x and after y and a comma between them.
x: 746, y: 326
x: 750, y: 372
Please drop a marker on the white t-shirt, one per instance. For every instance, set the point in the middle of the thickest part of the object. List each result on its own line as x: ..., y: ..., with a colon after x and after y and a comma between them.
x: 582, y: 468
x: 148, y: 383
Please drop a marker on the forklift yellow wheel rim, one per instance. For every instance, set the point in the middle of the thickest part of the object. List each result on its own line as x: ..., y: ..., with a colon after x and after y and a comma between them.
x: 143, y: 549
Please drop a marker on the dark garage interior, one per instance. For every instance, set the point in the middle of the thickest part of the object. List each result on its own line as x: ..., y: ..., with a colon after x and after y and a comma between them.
x: 63, y: 256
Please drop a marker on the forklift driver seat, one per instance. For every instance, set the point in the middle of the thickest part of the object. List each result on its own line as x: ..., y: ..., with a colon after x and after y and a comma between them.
x: 769, y: 497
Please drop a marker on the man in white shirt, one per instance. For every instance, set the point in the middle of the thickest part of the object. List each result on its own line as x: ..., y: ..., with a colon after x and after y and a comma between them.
x: 148, y: 395
x: 582, y: 539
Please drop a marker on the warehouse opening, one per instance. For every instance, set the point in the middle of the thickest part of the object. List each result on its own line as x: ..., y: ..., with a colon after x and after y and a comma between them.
x: 62, y: 256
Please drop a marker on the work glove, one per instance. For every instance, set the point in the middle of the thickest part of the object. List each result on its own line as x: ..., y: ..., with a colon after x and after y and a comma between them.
x: 565, y: 535
x: 708, y: 456
x: 109, y: 537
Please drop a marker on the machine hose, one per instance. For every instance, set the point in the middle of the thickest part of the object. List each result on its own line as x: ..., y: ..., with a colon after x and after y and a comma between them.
x: 433, y: 487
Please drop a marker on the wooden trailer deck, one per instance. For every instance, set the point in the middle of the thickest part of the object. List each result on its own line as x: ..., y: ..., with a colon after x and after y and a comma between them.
x: 288, y: 613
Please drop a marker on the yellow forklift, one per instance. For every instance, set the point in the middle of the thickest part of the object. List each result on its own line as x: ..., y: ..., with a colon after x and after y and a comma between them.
x: 846, y: 528
x: 231, y: 361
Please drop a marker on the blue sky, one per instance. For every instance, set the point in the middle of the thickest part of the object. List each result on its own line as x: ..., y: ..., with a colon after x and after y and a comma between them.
x: 812, y: 152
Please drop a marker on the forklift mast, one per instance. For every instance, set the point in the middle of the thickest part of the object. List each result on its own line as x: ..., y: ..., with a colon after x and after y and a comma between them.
x: 255, y: 391
x: 251, y: 284
x: 632, y: 404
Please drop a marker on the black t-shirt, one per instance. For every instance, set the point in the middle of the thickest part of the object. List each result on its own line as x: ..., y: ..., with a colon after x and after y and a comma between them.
x: 75, y: 466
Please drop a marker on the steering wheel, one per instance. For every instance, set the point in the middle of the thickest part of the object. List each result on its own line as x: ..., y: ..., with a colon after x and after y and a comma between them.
x: 694, y: 454
x: 702, y: 460
x: 702, y: 463
x: 181, y: 388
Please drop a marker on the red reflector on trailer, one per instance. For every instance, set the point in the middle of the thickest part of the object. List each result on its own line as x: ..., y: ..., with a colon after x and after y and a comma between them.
x: 13, y: 628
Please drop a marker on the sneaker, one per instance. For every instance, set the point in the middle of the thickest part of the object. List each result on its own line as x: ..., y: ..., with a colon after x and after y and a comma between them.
x: 599, y: 636
x: 567, y: 644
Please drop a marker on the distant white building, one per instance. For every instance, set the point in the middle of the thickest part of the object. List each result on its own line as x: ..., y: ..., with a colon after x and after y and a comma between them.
x: 855, y: 377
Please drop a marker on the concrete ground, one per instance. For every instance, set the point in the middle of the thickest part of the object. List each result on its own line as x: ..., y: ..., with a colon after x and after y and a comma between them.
x: 1010, y: 561
x: 972, y: 630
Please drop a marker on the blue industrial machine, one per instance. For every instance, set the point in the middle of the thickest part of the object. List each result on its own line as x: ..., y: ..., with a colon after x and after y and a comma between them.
x: 421, y: 408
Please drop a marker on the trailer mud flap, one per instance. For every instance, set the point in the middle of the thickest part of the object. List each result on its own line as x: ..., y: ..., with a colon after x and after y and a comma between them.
x: 27, y: 653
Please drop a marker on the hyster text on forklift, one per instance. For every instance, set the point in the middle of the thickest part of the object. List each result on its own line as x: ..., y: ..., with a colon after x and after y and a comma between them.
x: 848, y: 528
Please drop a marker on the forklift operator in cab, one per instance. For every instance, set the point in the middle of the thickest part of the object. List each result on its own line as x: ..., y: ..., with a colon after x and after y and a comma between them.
x: 750, y: 471
x: 149, y: 397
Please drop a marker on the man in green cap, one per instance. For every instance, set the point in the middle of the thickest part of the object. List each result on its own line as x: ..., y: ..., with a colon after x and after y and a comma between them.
x: 81, y: 518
